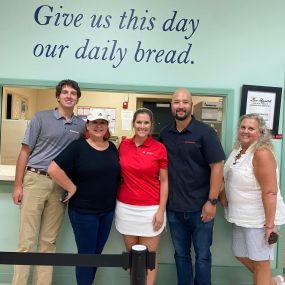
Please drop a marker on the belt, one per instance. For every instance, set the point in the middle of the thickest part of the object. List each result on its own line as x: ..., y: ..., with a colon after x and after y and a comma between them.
x: 38, y: 171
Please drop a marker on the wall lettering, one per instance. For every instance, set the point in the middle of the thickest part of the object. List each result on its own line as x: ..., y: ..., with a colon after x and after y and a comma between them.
x: 111, y: 50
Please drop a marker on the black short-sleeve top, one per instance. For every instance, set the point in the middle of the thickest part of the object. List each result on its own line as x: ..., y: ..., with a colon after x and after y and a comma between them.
x: 95, y: 173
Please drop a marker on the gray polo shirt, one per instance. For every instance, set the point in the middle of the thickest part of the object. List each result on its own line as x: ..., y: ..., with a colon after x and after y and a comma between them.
x: 48, y: 134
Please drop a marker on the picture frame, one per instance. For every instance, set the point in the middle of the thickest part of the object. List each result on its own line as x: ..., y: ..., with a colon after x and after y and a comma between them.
x: 263, y: 100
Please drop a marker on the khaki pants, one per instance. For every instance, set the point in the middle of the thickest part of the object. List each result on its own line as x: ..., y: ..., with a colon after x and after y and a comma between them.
x: 41, y: 217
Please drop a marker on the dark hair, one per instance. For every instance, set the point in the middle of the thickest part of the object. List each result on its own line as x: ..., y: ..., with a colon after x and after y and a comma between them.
x: 70, y: 83
x: 144, y: 111
x: 107, y: 135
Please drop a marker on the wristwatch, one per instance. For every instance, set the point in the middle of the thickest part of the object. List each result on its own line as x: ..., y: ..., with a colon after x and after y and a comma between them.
x: 213, y: 201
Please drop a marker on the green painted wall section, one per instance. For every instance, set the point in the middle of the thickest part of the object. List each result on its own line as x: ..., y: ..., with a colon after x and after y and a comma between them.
x: 225, y: 268
x: 237, y: 42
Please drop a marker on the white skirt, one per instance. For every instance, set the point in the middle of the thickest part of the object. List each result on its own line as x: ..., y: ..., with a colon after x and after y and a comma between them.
x: 136, y: 220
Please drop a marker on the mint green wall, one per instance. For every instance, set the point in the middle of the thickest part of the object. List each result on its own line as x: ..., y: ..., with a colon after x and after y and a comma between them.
x: 236, y: 42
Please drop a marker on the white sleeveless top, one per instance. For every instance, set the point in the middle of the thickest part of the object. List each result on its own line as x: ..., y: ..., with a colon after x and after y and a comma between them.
x: 245, y: 207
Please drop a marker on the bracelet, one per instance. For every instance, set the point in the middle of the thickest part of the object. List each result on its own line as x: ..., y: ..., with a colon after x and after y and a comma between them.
x: 269, y: 228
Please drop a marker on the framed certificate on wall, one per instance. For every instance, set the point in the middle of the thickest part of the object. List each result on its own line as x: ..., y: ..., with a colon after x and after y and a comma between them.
x: 262, y: 100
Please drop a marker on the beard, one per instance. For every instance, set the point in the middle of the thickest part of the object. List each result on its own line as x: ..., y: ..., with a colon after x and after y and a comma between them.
x: 181, y: 117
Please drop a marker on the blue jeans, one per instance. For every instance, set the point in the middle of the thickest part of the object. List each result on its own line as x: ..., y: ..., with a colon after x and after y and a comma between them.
x: 91, y: 232
x: 187, y: 228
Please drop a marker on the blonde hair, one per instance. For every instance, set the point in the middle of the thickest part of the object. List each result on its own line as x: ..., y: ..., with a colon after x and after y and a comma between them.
x: 264, y: 139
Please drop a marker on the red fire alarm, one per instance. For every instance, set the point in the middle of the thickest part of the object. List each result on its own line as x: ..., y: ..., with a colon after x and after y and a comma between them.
x: 125, y: 105
x: 126, y: 102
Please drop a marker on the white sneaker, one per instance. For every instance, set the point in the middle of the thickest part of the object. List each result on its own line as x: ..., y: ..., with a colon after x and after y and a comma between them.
x: 279, y: 280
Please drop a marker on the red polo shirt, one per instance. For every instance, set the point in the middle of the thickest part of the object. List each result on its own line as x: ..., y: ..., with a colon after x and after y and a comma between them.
x: 140, y: 171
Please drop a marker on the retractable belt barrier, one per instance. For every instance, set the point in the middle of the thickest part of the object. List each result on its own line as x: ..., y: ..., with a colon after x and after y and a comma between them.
x: 138, y: 260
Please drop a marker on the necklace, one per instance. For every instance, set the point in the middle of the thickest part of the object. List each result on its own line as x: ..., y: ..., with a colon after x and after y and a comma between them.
x: 238, y: 156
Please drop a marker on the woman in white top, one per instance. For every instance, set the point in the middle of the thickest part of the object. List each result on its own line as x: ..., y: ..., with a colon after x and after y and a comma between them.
x: 253, y: 202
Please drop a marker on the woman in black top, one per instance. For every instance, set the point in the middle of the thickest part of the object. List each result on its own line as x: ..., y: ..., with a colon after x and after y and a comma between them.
x: 88, y: 169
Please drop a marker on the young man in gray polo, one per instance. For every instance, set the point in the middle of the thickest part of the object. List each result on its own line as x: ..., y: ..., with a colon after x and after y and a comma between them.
x: 41, y: 211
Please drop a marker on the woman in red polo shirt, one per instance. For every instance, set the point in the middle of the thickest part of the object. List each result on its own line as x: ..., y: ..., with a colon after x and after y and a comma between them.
x: 141, y: 201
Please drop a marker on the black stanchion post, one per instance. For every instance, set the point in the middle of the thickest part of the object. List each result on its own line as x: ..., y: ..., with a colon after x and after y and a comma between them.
x: 138, y: 265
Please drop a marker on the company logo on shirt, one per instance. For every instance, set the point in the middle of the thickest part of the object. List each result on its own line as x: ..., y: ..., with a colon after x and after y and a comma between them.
x: 147, y: 152
x: 72, y: 131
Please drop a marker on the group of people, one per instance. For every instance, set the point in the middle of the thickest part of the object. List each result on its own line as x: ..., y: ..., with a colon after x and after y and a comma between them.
x: 142, y: 184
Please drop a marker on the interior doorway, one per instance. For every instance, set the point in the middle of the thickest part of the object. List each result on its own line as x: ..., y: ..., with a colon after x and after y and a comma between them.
x: 162, y: 115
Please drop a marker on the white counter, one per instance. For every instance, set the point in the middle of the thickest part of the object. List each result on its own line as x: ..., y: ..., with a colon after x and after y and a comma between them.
x: 7, y: 172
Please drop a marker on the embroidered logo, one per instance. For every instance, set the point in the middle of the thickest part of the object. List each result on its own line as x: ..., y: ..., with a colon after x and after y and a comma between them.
x: 189, y: 142
x: 147, y: 152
